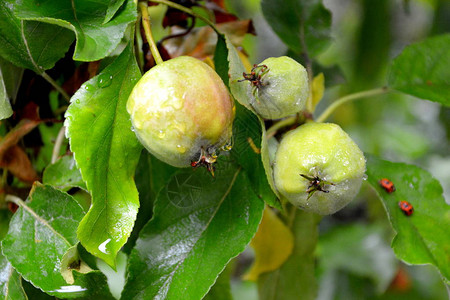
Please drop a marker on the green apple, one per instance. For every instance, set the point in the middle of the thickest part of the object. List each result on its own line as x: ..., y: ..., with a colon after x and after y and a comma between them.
x: 318, y: 168
x: 277, y: 87
x: 181, y: 111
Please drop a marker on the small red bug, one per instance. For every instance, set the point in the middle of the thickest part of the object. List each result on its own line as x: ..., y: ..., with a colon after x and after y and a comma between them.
x: 406, y: 207
x: 387, y: 185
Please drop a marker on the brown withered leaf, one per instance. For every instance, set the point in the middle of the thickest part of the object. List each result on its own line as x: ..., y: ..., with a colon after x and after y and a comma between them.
x: 16, y: 161
x: 13, y: 136
x: 201, y: 42
x: 12, y: 157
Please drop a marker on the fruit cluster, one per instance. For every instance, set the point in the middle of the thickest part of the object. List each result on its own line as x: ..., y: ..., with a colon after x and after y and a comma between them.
x: 182, y: 112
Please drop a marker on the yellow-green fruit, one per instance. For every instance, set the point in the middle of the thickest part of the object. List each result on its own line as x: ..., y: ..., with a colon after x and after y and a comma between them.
x: 180, y: 107
x: 322, y: 151
x: 284, y: 88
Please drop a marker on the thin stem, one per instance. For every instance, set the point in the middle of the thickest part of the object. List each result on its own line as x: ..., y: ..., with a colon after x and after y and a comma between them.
x: 148, y: 33
x: 280, y: 124
x: 351, y: 97
x: 14, y: 199
x: 188, y: 11
x: 56, y: 86
x: 58, y: 143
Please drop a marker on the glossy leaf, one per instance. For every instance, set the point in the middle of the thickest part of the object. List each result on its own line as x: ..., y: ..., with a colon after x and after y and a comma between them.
x: 5, y: 106
x: 10, y: 281
x: 44, y: 228
x: 301, y: 24
x: 199, y: 224
x: 423, y: 70
x: 273, y: 244
x: 295, y: 279
x: 63, y: 174
x: 358, y: 249
x: 247, y: 128
x: 106, y: 151
x: 95, y: 40
x: 113, y: 7
x: 28, y: 44
x: 422, y: 238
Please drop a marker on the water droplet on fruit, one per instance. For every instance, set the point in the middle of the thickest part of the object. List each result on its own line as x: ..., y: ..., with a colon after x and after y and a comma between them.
x: 181, y: 149
x: 104, y: 80
x: 161, y: 134
x: 88, y: 87
x: 78, y: 101
x: 365, y: 177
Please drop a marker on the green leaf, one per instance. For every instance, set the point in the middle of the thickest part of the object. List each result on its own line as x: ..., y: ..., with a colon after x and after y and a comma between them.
x: 151, y: 176
x: 249, y: 150
x: 95, y: 40
x: 199, y: 224
x: 12, y: 77
x: 221, y: 290
x: 32, y: 45
x: 359, y: 249
x: 248, y: 140
x: 422, y: 238
x: 10, y: 281
x: 423, y: 70
x: 301, y: 24
x: 5, y: 106
x: 295, y: 279
x: 64, y: 174
x: 113, y: 7
x: 44, y: 228
x: 107, y: 152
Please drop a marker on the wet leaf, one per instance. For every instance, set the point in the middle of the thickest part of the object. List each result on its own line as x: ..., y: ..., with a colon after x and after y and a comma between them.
x: 423, y: 70
x: 10, y: 281
x: 107, y: 152
x: 422, y: 238
x: 44, y: 228
x: 199, y: 224
x: 64, y: 174
x: 272, y: 243
x: 301, y: 25
x: 95, y: 40
x: 32, y: 45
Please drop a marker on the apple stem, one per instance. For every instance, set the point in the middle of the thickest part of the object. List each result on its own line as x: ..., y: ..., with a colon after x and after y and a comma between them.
x: 351, y: 97
x: 148, y: 33
x: 188, y: 11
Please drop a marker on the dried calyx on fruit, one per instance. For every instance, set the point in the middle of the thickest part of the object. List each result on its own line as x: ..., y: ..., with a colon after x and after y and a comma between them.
x: 277, y: 87
x: 318, y: 168
x: 182, y: 112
